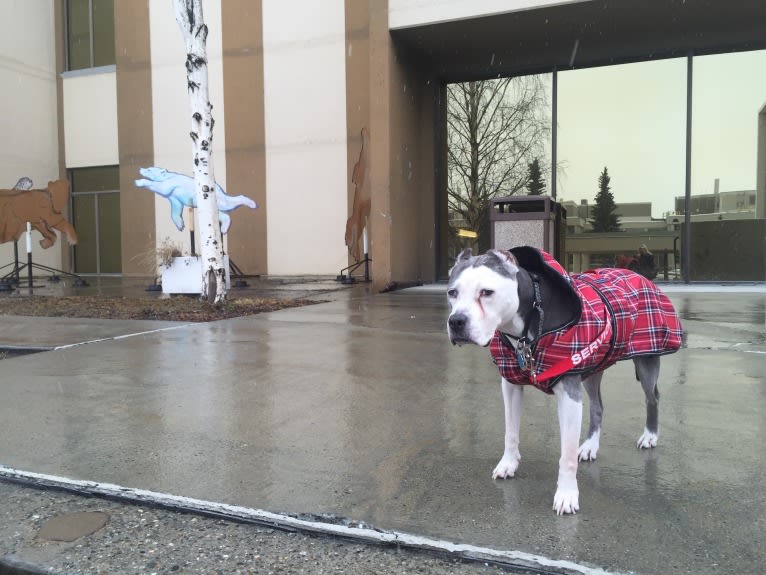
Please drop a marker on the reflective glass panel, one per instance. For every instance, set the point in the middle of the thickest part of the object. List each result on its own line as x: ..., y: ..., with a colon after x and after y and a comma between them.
x: 110, y: 257
x: 103, y: 32
x: 621, y: 162
x: 498, y: 145
x: 728, y: 153
x: 78, y: 34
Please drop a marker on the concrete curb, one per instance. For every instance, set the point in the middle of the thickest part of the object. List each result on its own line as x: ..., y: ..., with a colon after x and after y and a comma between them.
x: 11, y: 565
x: 306, y: 523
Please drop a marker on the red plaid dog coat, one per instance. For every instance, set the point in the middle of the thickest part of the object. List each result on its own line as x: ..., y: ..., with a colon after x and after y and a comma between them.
x: 622, y: 315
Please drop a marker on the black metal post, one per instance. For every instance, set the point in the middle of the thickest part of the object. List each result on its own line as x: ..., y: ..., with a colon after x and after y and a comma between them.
x: 554, y: 129
x: 686, y: 245
x: 16, y: 262
x: 29, y: 271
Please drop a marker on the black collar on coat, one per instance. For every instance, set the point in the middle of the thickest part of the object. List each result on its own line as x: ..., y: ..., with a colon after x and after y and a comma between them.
x: 560, y: 304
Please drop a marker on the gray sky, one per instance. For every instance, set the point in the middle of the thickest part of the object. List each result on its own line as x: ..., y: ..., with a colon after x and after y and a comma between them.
x: 632, y: 119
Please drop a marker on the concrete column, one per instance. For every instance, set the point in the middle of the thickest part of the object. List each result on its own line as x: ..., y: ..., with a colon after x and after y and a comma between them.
x: 244, y: 120
x: 135, y: 133
x: 760, y: 194
x: 380, y: 143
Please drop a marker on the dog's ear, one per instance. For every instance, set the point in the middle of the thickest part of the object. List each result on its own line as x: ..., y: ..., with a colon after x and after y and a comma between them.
x: 464, y: 255
x: 508, y: 260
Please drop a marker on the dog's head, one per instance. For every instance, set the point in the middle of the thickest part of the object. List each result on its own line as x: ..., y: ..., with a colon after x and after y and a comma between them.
x: 483, y: 296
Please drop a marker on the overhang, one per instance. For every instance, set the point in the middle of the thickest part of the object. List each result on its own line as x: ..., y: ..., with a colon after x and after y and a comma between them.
x: 582, y: 34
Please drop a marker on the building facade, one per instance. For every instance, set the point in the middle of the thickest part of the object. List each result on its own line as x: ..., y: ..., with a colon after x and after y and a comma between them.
x: 319, y: 108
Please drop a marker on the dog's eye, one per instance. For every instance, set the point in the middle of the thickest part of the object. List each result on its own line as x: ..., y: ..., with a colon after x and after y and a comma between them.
x: 486, y: 292
x: 452, y: 292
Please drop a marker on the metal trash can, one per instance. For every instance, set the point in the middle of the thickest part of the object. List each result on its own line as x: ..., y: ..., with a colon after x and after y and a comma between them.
x: 535, y: 221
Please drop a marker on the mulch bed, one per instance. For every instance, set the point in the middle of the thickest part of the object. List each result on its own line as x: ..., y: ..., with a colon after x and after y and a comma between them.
x: 176, y: 308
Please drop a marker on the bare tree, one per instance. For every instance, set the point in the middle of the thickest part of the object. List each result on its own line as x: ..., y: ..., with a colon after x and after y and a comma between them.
x: 189, y: 17
x: 495, y: 128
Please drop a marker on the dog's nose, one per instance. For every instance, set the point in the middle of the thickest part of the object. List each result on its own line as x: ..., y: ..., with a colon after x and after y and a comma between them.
x: 457, y: 322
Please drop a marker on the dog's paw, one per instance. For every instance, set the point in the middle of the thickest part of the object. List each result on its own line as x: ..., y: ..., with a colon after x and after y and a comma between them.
x: 506, y: 467
x: 588, y: 450
x: 647, y: 440
x: 566, y: 501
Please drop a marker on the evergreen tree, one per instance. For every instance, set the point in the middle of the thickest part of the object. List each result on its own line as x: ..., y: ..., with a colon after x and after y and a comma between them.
x: 535, y: 181
x: 604, y: 218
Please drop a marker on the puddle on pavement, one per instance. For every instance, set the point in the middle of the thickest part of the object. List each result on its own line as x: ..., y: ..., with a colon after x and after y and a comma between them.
x: 6, y: 353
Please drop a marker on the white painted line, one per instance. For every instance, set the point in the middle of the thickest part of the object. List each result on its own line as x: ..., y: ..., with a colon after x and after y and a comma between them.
x: 361, y: 533
x: 124, y: 336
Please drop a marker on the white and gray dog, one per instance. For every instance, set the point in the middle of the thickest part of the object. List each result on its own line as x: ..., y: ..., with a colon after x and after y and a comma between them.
x: 556, y: 331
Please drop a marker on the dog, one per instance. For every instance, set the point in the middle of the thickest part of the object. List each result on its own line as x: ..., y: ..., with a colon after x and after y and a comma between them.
x: 559, y: 333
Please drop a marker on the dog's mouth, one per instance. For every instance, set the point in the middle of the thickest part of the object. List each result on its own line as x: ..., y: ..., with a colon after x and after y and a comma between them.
x: 461, y: 341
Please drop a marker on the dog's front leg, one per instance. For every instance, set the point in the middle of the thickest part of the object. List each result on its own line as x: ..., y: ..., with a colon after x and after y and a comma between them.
x: 512, y: 396
x: 569, y: 396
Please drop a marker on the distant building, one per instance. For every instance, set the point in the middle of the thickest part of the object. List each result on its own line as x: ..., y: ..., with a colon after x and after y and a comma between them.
x: 633, y: 216
x: 719, y: 202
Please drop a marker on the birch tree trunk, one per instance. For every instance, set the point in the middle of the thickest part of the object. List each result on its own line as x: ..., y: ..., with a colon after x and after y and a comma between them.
x: 189, y: 17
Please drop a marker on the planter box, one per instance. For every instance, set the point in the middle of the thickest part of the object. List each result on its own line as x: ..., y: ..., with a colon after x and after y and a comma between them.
x: 185, y: 273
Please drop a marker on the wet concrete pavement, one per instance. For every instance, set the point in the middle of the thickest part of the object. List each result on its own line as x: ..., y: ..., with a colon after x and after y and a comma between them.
x: 361, y: 408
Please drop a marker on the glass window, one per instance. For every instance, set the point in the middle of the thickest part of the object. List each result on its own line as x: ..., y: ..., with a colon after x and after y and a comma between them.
x: 98, y: 179
x: 84, y: 216
x: 110, y: 257
x: 96, y: 215
x: 78, y: 34
x: 621, y: 149
x: 498, y: 144
x: 90, y: 33
x: 728, y: 99
x: 103, y: 32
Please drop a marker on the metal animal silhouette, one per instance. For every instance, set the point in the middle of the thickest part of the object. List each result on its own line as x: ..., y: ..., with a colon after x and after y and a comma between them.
x: 41, y: 208
x: 180, y: 192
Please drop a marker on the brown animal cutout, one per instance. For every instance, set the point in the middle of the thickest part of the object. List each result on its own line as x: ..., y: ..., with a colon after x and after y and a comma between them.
x: 41, y: 208
x: 360, y: 214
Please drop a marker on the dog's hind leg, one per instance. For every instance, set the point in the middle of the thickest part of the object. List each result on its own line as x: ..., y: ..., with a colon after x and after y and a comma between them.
x: 569, y: 395
x: 512, y: 396
x: 647, y: 372
x: 589, y: 449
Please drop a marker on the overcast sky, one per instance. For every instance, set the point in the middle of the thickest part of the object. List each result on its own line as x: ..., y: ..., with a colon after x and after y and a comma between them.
x: 632, y: 119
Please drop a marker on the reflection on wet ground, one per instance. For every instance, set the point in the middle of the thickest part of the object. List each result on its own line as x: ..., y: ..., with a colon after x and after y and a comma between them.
x: 361, y: 408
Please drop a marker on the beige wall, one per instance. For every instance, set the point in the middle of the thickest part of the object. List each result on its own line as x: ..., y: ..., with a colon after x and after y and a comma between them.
x: 245, y: 140
x: 136, y: 144
x: 402, y: 123
x: 305, y: 135
x: 382, y: 63
x: 357, y: 93
x: 28, y: 100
